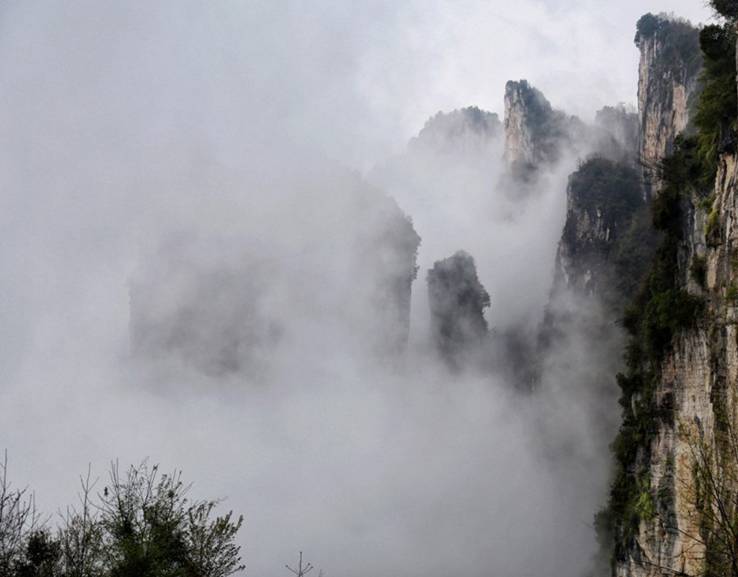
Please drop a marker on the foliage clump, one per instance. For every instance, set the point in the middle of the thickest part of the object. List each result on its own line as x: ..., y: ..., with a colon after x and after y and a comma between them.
x: 680, y: 49
x: 726, y: 8
x: 698, y: 270
x: 619, y: 241
x: 610, y: 187
x: 142, y: 524
x: 717, y: 109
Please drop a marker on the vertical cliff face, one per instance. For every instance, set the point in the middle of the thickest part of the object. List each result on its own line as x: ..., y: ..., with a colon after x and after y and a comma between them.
x: 668, y: 76
x: 689, y: 410
x: 518, y: 130
x: 603, y: 252
x: 535, y: 134
x: 607, y: 240
x: 603, y: 198
x: 673, y: 499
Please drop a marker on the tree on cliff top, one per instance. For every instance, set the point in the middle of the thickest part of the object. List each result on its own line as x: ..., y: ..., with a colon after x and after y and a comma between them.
x: 726, y: 8
x: 679, y: 41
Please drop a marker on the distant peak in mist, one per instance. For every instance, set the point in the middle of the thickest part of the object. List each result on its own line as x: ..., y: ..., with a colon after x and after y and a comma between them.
x: 467, y: 128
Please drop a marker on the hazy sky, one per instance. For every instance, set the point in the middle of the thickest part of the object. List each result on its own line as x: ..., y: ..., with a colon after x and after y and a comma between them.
x: 353, y: 78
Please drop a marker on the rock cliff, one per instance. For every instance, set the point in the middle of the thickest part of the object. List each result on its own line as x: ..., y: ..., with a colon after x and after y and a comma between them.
x: 457, y: 301
x: 535, y: 133
x: 668, y: 74
x: 682, y: 398
x: 673, y: 500
x: 606, y: 242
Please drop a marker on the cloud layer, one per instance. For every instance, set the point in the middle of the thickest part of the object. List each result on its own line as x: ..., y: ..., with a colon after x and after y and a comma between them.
x: 240, y: 123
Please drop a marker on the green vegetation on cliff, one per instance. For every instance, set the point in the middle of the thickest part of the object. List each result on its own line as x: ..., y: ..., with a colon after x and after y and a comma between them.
x: 717, y: 108
x: 611, y: 232
x: 610, y: 187
x: 726, y: 8
x: 680, y: 50
x: 663, y: 308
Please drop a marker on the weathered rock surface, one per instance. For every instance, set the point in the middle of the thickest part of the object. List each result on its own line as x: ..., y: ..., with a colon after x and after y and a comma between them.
x: 535, y: 133
x: 668, y: 75
x: 457, y: 301
x: 698, y: 389
x: 603, y: 199
x: 692, y: 411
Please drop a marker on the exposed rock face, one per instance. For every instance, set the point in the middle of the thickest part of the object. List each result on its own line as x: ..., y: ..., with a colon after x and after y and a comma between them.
x: 668, y: 75
x: 462, y: 131
x: 457, y: 301
x: 698, y: 390
x: 677, y: 446
x: 601, y: 230
x: 604, y: 251
x: 535, y: 133
x: 607, y: 241
x: 537, y: 136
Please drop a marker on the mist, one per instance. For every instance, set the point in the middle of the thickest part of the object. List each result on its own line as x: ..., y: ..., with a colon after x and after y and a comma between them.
x: 240, y: 161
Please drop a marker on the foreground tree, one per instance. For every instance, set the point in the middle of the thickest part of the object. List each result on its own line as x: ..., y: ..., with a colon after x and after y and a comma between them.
x: 18, y: 523
x: 153, y: 530
x: 726, y: 8
x: 142, y: 524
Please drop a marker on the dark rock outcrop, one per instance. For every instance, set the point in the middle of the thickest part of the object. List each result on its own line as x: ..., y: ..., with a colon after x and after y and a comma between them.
x: 606, y: 221
x: 457, y: 301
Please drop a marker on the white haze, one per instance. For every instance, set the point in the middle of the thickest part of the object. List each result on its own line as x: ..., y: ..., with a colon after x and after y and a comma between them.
x: 124, y: 122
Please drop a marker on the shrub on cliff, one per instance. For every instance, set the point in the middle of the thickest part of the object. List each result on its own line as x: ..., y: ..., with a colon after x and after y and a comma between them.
x: 612, y: 188
x: 660, y: 310
x: 679, y: 40
x: 718, y: 104
x: 647, y: 26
